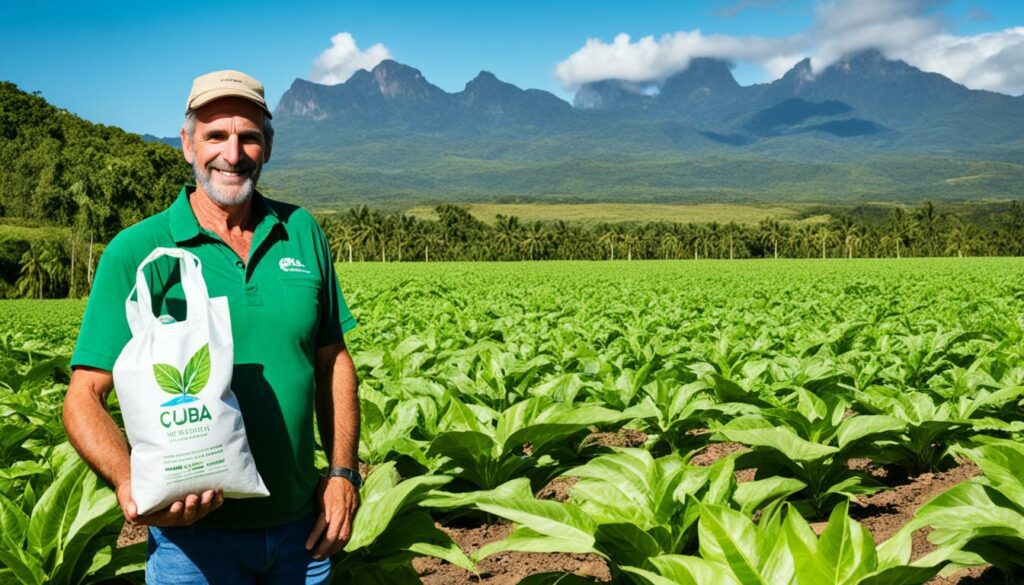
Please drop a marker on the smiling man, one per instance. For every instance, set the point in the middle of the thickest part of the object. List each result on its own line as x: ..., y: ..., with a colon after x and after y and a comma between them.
x: 288, y: 319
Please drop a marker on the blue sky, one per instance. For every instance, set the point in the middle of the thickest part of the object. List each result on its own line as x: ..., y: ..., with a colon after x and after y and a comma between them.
x: 131, y: 64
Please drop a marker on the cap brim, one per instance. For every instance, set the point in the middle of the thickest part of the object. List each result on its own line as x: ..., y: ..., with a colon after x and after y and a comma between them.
x: 216, y: 94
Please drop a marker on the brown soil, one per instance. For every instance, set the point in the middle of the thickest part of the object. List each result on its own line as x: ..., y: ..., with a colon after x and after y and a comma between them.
x: 557, y: 489
x: 620, y: 438
x: 504, y: 568
x: 715, y: 451
x: 131, y: 533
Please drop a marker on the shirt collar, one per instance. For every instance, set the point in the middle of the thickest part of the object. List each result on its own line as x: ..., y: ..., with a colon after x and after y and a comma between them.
x: 185, y: 226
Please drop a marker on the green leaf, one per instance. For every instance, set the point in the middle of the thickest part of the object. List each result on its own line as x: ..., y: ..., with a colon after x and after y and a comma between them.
x: 846, y: 547
x: 626, y: 544
x: 729, y: 538
x: 752, y: 495
x: 862, y: 426
x: 417, y: 534
x: 758, y: 432
x: 384, y: 499
x: 544, y: 527
x: 168, y: 377
x: 197, y: 371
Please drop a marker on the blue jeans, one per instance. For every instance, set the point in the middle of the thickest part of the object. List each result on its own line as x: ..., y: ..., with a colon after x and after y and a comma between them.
x: 197, y: 554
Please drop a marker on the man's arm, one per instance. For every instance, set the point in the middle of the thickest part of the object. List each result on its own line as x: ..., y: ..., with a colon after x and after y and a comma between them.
x: 337, y: 413
x: 96, y: 437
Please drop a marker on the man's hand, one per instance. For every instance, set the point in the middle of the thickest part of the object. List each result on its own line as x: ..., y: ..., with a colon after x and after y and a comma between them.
x: 188, y: 510
x: 338, y: 500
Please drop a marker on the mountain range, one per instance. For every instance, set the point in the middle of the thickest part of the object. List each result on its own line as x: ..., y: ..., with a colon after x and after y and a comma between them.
x: 864, y: 128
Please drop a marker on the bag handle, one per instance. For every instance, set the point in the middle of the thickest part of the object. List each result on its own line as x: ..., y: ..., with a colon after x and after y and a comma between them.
x: 197, y: 297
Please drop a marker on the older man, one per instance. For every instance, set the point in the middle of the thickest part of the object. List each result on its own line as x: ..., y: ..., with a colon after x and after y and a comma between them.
x: 288, y: 317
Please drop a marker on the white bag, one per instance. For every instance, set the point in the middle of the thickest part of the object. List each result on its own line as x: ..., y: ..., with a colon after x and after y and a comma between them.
x: 173, y: 383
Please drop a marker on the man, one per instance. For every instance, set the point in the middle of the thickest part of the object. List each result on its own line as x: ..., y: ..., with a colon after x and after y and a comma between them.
x: 288, y: 319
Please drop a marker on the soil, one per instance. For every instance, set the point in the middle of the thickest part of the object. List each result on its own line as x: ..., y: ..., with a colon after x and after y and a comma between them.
x: 620, y: 438
x: 504, y: 568
x: 131, y: 533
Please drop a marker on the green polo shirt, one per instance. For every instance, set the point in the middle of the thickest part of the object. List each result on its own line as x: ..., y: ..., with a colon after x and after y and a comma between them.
x: 284, y: 303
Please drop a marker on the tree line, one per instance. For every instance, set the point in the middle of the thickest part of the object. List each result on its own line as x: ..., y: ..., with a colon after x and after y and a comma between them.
x: 63, y: 266
x: 364, y: 234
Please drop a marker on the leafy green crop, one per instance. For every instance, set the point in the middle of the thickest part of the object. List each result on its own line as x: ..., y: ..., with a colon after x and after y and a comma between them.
x: 532, y: 438
x: 67, y: 536
x: 983, y: 517
x: 391, y: 529
x: 812, y: 442
x: 626, y: 507
x: 735, y: 551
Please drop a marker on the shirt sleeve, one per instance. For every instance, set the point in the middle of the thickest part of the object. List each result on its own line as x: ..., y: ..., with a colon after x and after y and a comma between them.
x: 104, y: 330
x: 335, y: 316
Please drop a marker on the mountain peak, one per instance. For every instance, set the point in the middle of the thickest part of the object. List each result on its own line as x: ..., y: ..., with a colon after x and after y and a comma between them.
x: 484, y: 76
x: 609, y: 94
x: 706, y: 83
x: 397, y: 81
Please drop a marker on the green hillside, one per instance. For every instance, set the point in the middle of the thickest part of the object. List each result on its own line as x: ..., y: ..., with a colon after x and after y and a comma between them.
x: 59, y: 168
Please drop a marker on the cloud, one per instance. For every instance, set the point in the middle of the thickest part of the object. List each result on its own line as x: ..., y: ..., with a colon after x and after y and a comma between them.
x: 992, y: 61
x: 649, y: 59
x: 343, y: 58
x: 915, y: 31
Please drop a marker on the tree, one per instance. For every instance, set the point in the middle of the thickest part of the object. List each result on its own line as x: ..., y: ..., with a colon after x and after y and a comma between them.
x: 773, y: 233
x: 363, y: 230
x: 33, y: 273
x: 896, y: 231
x: 506, y: 234
x: 609, y: 237
x: 927, y: 226
x: 534, y: 238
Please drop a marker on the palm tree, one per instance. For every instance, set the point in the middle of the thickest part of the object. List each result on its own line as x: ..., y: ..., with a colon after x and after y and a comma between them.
x: 896, y: 231
x: 506, y: 234
x: 732, y: 233
x: 363, y: 230
x: 609, y: 237
x: 430, y: 238
x: 534, y: 238
x: 405, y: 227
x: 927, y: 225
x: 773, y: 233
x: 825, y: 236
x: 854, y: 238
x: 669, y: 244
x: 630, y: 240
x: 33, y: 272
x: 961, y: 239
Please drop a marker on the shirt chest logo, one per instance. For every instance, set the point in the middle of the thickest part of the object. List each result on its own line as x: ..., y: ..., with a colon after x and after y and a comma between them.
x: 292, y: 265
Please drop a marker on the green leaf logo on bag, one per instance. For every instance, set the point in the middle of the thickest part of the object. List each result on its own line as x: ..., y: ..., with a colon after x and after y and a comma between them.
x: 184, y: 384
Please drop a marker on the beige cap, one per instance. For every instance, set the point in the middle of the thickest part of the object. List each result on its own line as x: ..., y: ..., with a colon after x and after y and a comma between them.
x: 227, y: 83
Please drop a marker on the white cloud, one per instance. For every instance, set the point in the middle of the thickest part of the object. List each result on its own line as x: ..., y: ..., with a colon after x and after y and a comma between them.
x: 992, y: 61
x: 912, y: 30
x: 338, y: 63
x: 650, y: 59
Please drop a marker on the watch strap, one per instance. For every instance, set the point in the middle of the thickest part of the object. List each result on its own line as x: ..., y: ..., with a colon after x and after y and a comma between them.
x: 349, y: 474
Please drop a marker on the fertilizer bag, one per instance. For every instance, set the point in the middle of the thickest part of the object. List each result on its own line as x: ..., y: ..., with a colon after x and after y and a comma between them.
x: 173, y: 382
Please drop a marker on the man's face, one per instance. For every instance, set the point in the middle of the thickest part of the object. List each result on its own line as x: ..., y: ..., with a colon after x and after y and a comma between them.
x: 227, y: 149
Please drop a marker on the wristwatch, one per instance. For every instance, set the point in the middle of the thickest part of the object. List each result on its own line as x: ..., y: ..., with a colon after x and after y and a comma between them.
x: 350, y: 474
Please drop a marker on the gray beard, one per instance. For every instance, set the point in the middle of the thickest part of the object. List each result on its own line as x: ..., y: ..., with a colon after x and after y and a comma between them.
x: 247, y: 189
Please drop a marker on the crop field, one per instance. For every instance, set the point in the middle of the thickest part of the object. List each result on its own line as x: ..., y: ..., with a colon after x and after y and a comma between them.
x: 751, y: 422
x: 591, y: 213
